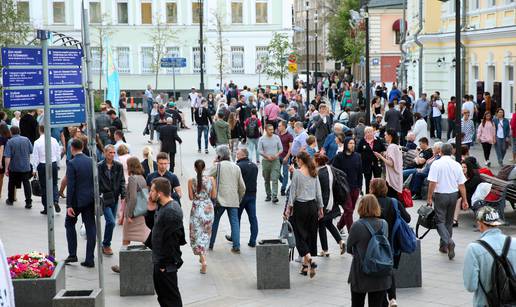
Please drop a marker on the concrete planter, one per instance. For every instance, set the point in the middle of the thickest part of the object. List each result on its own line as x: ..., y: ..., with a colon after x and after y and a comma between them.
x: 39, y: 292
x: 272, y: 265
x: 78, y: 298
x: 409, y: 273
x: 136, y: 271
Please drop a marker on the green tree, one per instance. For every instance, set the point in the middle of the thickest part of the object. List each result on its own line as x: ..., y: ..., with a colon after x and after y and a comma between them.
x: 220, y: 46
x: 161, y: 35
x: 345, y: 40
x: 14, y: 23
x: 103, y: 31
x: 278, y: 50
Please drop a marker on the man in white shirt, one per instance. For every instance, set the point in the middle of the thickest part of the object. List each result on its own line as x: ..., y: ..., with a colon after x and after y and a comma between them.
x: 437, y: 105
x: 38, y: 165
x: 193, y: 103
x: 119, y: 140
x: 469, y: 105
x: 446, y: 179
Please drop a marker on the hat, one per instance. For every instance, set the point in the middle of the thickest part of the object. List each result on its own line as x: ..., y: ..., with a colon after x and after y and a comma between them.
x: 171, y: 104
x: 489, y: 216
x: 379, y: 115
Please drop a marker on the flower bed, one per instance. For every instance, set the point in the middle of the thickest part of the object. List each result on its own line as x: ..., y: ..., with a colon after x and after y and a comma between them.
x: 36, y: 279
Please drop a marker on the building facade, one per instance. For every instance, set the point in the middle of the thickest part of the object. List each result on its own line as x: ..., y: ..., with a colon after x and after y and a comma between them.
x: 488, y: 53
x: 248, y: 26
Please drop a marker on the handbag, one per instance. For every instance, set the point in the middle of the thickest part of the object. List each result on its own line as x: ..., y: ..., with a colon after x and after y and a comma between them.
x: 141, y: 202
x: 426, y: 219
x: 287, y: 233
x: 35, y: 186
x: 216, y: 200
x: 405, y: 197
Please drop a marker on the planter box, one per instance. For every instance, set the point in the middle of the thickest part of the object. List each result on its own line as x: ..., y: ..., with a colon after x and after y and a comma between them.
x: 272, y: 265
x: 39, y: 292
x: 136, y: 271
x: 408, y: 274
x: 78, y: 298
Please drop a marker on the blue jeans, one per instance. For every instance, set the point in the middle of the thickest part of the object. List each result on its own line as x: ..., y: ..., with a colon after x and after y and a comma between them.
x: 248, y: 204
x: 501, y: 149
x: 43, y: 182
x: 252, y: 147
x: 408, y: 172
x: 284, y: 174
x: 333, y: 104
x: 417, y: 183
x: 202, y: 129
x: 110, y: 217
x: 88, y: 218
x: 437, y: 126
x: 233, y: 221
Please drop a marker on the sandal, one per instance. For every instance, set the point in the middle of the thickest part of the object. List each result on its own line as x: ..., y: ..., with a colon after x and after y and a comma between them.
x: 342, y: 248
x: 324, y: 254
x: 304, y: 270
x: 203, y: 268
x: 455, y: 223
x: 313, y: 266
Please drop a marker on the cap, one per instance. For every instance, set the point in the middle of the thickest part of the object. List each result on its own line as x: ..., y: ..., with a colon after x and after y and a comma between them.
x: 489, y: 216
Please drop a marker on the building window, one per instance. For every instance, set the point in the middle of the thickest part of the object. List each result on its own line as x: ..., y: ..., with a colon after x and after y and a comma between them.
x: 261, y: 11
x: 22, y: 7
x: 58, y: 10
x: 171, y: 10
x: 196, y: 12
x: 491, y: 76
x: 475, y: 72
x: 237, y: 60
x: 123, y: 62
x: 491, y: 3
x: 122, y: 14
x: 172, y: 52
x: 147, y: 59
x: 95, y: 12
x: 237, y: 11
x: 146, y: 9
x: 475, y: 4
x: 261, y: 55
x: 397, y: 37
x: 95, y: 59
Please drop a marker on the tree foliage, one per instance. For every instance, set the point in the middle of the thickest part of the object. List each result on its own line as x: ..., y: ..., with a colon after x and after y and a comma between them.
x: 160, y: 36
x: 103, y: 31
x: 13, y: 29
x: 278, y: 50
x: 220, y: 46
x: 345, y: 42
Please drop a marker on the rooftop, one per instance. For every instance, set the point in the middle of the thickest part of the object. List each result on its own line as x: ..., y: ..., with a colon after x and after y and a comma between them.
x: 394, y: 4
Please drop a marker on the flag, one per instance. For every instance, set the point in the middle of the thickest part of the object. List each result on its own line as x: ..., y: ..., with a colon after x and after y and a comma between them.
x: 112, y: 77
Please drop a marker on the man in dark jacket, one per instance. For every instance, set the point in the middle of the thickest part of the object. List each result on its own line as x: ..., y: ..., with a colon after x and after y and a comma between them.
x: 168, y: 137
x: 79, y: 200
x: 203, y: 120
x: 392, y: 118
x: 29, y: 126
x: 407, y: 119
x: 102, y: 124
x: 167, y: 236
x: 116, y: 123
x: 322, y: 124
x: 111, y: 187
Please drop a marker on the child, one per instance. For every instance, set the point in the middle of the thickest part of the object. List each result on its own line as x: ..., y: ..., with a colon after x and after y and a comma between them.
x: 311, y: 149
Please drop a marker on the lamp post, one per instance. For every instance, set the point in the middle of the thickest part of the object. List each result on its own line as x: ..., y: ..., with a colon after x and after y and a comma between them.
x: 307, y: 54
x: 365, y: 15
x: 201, y: 44
x: 316, y: 37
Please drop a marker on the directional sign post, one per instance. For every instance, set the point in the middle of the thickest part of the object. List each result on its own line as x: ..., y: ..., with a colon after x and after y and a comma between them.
x: 173, y: 63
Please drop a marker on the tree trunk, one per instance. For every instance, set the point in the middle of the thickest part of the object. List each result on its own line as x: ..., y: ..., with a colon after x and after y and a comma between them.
x: 101, y: 70
x: 157, y: 73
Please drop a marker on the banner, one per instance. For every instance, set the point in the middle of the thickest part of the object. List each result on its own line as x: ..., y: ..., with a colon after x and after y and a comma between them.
x: 112, y: 77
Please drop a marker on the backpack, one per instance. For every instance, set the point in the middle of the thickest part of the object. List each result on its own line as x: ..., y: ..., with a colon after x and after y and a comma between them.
x: 252, y: 130
x: 377, y: 260
x: 403, y: 239
x: 426, y: 219
x: 503, y: 279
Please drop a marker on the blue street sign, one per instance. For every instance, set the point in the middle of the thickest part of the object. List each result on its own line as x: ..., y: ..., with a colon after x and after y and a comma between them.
x: 64, y: 96
x: 67, y: 116
x: 19, y: 56
x: 65, y: 76
x: 23, y: 77
x: 173, y: 62
x: 64, y: 57
x: 27, y: 99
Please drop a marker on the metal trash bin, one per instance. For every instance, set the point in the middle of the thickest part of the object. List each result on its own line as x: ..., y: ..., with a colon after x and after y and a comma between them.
x: 272, y: 264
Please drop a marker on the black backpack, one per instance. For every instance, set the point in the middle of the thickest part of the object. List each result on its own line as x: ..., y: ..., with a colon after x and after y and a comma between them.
x: 252, y: 131
x: 503, y: 279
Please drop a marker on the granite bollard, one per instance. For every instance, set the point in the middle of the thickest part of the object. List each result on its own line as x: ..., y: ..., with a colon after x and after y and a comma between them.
x: 136, y: 271
x: 78, y: 298
x: 272, y: 265
x: 39, y: 292
x: 409, y: 273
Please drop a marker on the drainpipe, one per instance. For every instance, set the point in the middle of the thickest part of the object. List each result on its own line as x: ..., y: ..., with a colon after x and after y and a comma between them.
x: 420, y: 45
x: 463, y: 50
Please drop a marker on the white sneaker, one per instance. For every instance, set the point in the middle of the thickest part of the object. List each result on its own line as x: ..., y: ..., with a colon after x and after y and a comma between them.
x: 392, y: 303
x: 488, y: 164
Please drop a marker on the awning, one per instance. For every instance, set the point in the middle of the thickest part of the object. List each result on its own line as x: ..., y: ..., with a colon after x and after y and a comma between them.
x: 397, y: 25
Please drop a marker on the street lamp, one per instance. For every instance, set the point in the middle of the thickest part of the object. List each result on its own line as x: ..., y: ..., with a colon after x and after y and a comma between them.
x: 316, y: 22
x: 307, y: 53
x: 201, y: 44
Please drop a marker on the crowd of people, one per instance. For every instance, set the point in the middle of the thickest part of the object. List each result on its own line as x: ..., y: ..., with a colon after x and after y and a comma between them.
x: 319, y: 158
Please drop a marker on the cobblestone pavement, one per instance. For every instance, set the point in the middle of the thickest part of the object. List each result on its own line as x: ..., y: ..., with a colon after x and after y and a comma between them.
x: 231, y: 279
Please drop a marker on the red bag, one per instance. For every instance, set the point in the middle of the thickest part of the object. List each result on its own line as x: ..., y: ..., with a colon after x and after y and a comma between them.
x: 406, y: 198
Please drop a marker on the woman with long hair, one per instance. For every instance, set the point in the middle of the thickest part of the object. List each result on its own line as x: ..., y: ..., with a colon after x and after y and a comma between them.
x: 393, y: 160
x: 473, y: 179
x: 306, y: 208
x: 201, y: 190
x: 235, y: 129
x: 148, y: 163
x: 5, y: 135
x: 326, y: 175
x: 503, y: 131
x: 378, y: 188
x: 486, y: 135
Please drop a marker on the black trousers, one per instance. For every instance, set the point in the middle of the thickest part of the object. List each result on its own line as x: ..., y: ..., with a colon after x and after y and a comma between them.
x: 88, y: 218
x: 305, y: 224
x: 43, y: 182
x: 165, y: 284
x: 327, y: 223
x: 15, y: 178
x: 172, y: 157
x: 369, y: 176
x: 486, y: 147
x: 375, y: 299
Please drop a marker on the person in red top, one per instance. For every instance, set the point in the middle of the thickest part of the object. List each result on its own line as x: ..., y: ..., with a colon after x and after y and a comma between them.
x: 513, y: 129
x: 451, y: 117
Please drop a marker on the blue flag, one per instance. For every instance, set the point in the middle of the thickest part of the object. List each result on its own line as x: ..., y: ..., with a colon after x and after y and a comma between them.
x: 112, y: 77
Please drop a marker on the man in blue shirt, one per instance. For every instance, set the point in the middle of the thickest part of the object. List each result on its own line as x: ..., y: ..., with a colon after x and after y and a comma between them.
x: 330, y: 147
x: 300, y: 140
x: 17, y: 164
x: 478, y: 262
x: 422, y: 106
x: 394, y: 93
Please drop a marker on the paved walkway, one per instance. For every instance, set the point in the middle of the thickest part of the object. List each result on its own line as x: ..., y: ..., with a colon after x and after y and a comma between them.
x: 231, y: 279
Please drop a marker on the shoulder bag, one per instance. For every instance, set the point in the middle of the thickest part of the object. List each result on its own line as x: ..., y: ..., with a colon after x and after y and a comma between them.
x: 141, y: 202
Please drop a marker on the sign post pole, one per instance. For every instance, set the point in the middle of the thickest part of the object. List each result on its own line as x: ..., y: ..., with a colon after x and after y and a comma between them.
x: 174, y: 81
x: 44, y: 36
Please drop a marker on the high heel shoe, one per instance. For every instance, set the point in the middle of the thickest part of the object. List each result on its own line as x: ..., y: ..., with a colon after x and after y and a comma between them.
x: 312, y: 268
x: 304, y: 270
x: 324, y: 254
x: 342, y: 248
x: 61, y: 194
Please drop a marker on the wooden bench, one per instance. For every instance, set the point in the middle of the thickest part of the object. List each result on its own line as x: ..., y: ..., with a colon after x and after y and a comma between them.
x: 506, y: 190
x: 408, y: 158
